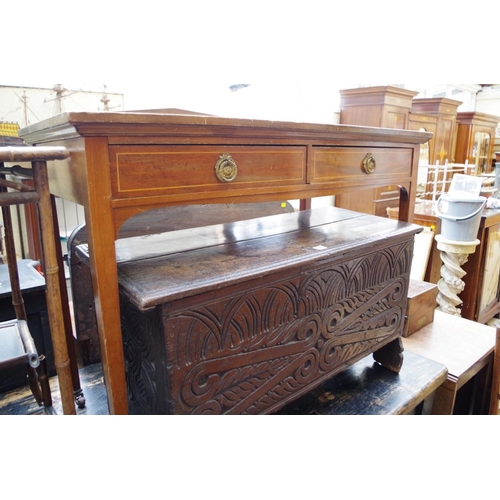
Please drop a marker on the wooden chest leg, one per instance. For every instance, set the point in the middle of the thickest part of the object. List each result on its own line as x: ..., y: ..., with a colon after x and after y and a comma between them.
x: 391, y: 355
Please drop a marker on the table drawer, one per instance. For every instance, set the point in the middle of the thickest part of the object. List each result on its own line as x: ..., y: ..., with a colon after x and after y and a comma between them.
x: 352, y: 164
x: 149, y: 170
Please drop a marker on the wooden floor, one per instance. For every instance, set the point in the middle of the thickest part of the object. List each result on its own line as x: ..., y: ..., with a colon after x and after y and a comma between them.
x: 22, y: 402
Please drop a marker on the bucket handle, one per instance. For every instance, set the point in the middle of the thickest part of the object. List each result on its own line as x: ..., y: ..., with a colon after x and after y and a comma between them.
x: 457, y: 219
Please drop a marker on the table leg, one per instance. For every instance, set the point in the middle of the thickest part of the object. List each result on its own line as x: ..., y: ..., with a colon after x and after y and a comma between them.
x: 404, y: 204
x: 70, y: 340
x: 101, y: 241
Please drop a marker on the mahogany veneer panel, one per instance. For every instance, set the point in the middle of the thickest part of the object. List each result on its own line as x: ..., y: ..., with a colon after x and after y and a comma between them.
x: 174, y: 169
x: 345, y: 164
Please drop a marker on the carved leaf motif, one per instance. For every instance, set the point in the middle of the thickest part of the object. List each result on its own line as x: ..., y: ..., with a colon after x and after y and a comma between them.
x: 140, y: 360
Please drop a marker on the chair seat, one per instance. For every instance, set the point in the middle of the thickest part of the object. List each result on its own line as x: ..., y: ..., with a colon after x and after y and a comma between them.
x: 16, y: 345
x: 11, y: 344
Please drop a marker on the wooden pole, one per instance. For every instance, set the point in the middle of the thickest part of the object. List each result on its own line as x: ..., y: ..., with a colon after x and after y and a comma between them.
x: 54, y: 300
x: 18, y: 198
x: 70, y: 340
x: 17, y: 297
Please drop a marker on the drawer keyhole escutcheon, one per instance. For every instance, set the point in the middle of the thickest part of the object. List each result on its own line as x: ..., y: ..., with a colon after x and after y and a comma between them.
x: 226, y: 168
x: 369, y: 163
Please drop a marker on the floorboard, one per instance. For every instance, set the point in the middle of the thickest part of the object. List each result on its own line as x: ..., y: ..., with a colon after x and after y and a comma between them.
x: 22, y: 402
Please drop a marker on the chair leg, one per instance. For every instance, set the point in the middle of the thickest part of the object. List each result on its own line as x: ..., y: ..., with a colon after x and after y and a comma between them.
x: 45, y: 387
x: 34, y: 386
x: 54, y: 301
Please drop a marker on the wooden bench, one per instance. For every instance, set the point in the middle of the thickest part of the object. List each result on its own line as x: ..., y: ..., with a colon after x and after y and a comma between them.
x: 366, y: 388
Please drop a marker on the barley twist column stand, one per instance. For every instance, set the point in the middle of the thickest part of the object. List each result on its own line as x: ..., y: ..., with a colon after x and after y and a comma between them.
x: 454, y: 255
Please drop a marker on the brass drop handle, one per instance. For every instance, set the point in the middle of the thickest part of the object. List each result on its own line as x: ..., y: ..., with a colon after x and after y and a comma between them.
x: 226, y: 169
x: 369, y: 163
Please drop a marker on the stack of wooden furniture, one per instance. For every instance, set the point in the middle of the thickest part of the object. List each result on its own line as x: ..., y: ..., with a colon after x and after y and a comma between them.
x: 387, y: 107
x: 458, y: 137
x: 296, y: 298
x: 121, y: 164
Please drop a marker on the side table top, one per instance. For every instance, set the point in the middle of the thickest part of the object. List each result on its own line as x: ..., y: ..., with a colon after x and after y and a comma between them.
x: 463, y: 346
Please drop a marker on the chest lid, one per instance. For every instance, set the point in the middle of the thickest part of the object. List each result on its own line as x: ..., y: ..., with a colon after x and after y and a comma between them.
x: 163, y: 267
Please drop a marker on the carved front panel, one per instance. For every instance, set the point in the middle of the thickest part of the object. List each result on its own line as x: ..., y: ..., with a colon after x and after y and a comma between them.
x: 252, y: 349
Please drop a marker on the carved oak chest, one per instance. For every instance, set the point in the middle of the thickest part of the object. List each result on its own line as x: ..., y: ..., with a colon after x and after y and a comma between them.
x: 247, y: 316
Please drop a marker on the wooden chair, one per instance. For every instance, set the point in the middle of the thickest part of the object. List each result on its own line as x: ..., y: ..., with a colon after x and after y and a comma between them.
x: 17, y: 347
x: 495, y: 385
x: 16, y: 342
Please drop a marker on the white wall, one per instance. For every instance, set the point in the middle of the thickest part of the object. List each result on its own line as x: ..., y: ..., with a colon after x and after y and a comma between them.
x: 488, y: 101
x: 28, y: 105
x: 286, y: 101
